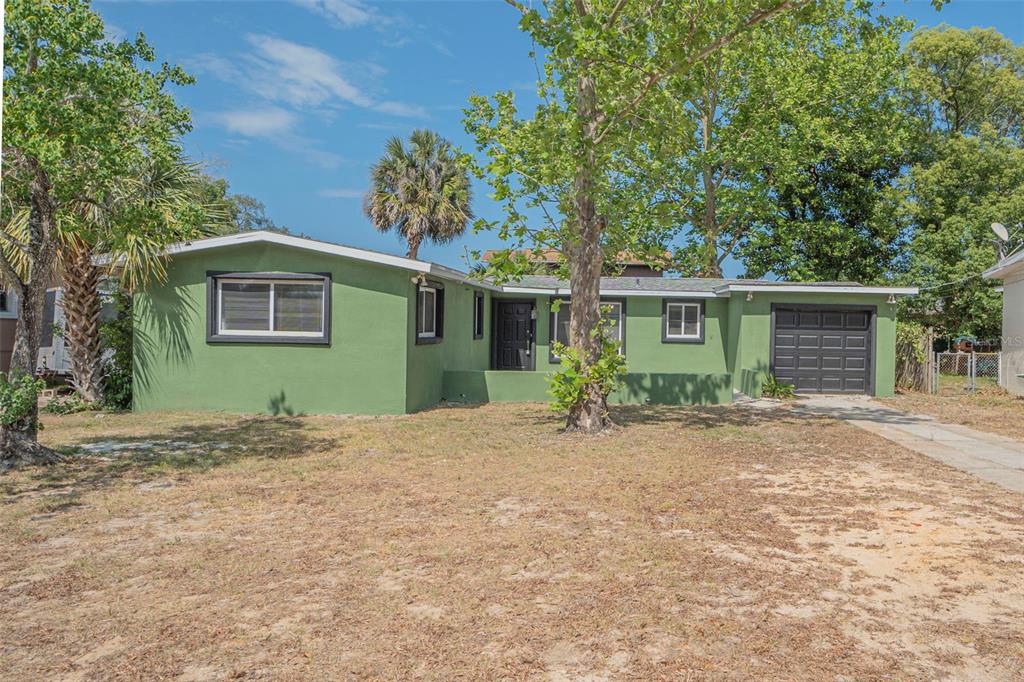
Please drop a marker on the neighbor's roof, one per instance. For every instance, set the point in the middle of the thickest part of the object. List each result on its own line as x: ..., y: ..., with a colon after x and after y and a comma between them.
x: 541, y: 284
x: 1010, y: 264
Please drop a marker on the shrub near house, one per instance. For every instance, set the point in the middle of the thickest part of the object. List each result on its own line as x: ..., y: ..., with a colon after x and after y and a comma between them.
x: 268, y: 322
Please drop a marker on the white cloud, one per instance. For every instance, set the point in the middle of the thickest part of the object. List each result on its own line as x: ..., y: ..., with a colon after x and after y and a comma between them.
x: 343, y: 193
x: 401, y: 109
x: 345, y: 13
x: 276, y: 126
x: 258, y: 122
x: 300, y: 75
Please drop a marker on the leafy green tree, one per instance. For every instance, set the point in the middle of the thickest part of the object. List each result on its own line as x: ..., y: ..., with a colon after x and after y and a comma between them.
x: 421, y: 191
x: 835, y: 222
x: 81, y: 113
x: 962, y: 80
x: 968, y: 93
x: 609, y: 79
x: 786, y: 127
x: 975, y: 180
x: 245, y: 213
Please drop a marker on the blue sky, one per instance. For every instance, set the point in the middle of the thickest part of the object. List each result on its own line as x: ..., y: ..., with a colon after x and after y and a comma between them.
x: 295, y: 99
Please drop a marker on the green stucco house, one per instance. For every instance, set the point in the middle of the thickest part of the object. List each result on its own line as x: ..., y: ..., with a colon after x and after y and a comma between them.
x: 264, y: 322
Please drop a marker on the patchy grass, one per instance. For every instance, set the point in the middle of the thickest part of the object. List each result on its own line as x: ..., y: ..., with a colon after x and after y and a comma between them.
x: 721, y: 543
x: 990, y: 408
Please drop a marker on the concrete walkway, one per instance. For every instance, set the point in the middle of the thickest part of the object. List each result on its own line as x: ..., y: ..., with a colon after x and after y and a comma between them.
x: 996, y: 459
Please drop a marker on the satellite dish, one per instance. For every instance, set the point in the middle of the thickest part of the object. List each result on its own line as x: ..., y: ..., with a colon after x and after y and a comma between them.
x: 1001, y: 232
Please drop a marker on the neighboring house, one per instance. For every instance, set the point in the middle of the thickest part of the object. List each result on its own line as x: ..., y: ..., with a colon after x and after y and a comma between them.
x: 625, y: 265
x: 53, y: 358
x: 1011, y: 271
x: 268, y: 322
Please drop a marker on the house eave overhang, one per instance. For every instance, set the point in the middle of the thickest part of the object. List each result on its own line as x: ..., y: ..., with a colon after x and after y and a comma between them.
x: 1007, y: 267
x: 619, y: 293
x: 814, y: 289
x: 306, y: 244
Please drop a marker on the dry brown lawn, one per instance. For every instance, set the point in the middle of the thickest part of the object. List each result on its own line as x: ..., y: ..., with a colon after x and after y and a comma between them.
x: 479, y: 543
x: 990, y: 408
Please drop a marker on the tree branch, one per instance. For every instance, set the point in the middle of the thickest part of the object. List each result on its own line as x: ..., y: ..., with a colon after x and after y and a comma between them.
x: 518, y: 5
x: 619, y: 6
x: 758, y: 17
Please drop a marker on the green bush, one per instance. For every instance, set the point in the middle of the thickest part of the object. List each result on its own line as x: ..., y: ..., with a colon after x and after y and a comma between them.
x: 117, y: 368
x: 18, y: 398
x: 67, y: 404
x: 568, y: 386
x: 773, y: 388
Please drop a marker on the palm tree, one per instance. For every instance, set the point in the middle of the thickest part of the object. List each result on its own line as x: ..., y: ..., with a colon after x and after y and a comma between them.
x: 164, y: 203
x: 421, y: 191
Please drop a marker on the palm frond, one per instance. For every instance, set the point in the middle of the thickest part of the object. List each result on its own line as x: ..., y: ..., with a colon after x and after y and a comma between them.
x: 420, y: 190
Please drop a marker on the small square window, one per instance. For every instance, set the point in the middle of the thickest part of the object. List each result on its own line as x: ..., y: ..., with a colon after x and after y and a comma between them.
x: 683, y: 321
x: 611, y: 315
x: 428, y: 313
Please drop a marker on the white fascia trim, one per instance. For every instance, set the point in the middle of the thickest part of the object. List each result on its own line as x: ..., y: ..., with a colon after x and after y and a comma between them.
x: 299, y: 243
x: 620, y: 293
x: 812, y: 289
x: 1005, y: 267
x: 332, y: 249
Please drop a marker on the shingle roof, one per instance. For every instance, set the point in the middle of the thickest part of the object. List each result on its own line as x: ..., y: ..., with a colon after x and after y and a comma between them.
x: 687, y: 284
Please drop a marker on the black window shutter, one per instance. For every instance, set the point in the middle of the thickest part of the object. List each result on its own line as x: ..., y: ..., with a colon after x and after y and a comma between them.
x: 439, y: 319
x: 419, y: 312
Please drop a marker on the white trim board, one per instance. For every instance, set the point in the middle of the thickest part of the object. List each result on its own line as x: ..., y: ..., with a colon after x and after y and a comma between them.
x: 817, y: 289
x: 265, y: 237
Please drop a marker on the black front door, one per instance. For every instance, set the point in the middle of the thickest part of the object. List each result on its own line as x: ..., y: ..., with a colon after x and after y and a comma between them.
x: 513, y: 337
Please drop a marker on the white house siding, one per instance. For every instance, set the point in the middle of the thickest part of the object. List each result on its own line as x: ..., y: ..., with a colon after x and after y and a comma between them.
x: 1013, y: 332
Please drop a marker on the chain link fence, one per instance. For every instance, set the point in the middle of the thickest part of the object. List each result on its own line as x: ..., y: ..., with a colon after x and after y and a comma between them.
x: 964, y: 371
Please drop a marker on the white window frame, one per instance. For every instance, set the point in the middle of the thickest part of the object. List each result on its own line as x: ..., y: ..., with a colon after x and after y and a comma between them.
x: 423, y: 334
x: 223, y: 331
x: 668, y: 317
x: 562, y: 307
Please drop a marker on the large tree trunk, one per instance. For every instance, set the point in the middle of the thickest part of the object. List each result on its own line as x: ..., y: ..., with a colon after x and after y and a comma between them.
x: 82, y: 310
x: 709, y: 266
x: 586, y: 259
x: 18, y: 444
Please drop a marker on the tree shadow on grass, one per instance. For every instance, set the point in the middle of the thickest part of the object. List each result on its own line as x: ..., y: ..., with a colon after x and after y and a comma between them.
x: 99, y: 462
x: 705, y: 416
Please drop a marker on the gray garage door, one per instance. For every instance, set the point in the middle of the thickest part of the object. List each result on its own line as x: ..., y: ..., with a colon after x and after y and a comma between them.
x: 823, y: 350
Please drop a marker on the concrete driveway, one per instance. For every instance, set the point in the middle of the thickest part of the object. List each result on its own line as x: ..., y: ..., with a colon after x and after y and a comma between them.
x: 993, y: 458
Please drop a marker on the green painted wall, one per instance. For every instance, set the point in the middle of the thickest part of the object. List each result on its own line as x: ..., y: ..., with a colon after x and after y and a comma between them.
x: 669, y: 373
x: 374, y: 366
x: 753, y: 336
x: 458, y: 349
x: 362, y: 371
